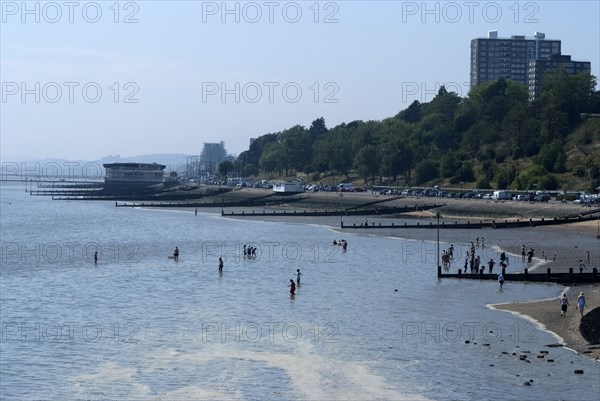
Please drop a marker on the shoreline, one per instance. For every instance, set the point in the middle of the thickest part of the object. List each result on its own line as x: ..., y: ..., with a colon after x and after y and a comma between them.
x: 557, y: 247
x: 545, y: 314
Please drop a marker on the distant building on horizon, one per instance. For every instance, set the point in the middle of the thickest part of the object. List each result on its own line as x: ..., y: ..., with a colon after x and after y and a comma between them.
x: 538, y: 69
x: 131, y: 177
x: 212, y: 155
x: 493, y: 58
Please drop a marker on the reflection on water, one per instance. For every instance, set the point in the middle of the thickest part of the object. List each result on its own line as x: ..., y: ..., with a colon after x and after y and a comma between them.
x: 139, y: 325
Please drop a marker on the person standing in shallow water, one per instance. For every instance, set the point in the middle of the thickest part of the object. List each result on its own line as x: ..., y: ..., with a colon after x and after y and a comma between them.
x: 491, y: 264
x: 298, y: 274
x: 564, y: 305
x: 292, y: 287
x: 96, y: 257
x: 220, y: 264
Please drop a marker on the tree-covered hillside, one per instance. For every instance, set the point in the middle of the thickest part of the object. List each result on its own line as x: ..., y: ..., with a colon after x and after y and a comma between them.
x: 494, y: 138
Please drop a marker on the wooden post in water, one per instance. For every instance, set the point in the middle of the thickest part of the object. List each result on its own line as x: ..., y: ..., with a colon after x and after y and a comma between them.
x: 438, y: 245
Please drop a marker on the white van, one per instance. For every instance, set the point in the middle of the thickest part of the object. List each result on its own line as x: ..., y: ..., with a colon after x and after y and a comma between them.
x: 501, y: 195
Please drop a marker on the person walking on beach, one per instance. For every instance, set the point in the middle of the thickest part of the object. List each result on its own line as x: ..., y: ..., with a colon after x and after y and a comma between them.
x: 292, y: 287
x: 220, y: 264
x: 523, y: 252
x: 501, y: 280
x: 96, y: 257
x: 564, y: 304
x: 581, y: 303
x: 581, y: 266
x: 298, y: 274
x: 587, y: 257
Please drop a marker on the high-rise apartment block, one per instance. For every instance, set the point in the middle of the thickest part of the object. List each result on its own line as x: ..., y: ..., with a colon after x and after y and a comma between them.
x: 539, y: 68
x: 521, y: 59
x: 493, y: 58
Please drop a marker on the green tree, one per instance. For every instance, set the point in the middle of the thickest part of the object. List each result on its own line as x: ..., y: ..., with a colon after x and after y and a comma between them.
x: 426, y: 170
x: 552, y: 156
x: 366, y: 162
x: 224, y: 168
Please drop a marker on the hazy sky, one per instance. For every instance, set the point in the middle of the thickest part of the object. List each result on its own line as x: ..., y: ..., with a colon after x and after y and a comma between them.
x: 81, y: 80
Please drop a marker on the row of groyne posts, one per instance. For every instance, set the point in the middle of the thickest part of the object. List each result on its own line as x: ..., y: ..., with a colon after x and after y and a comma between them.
x: 488, y: 224
x: 547, y: 277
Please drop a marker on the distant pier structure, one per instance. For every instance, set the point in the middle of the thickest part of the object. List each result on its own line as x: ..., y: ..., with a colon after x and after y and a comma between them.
x: 128, y: 177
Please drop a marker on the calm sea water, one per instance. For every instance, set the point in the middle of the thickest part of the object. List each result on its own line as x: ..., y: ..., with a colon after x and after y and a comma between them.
x: 372, y: 323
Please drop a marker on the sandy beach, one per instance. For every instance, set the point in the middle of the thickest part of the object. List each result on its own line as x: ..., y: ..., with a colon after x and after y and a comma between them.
x: 557, y: 247
x: 547, y: 315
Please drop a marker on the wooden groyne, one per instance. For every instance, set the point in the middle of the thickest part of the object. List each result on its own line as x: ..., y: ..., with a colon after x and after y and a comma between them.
x: 335, y: 212
x: 485, y: 224
x: 105, y: 195
x: 262, y: 201
x: 548, y: 277
x: 375, y: 202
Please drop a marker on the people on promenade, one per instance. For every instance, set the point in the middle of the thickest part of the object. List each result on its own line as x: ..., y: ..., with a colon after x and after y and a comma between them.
x: 581, y: 303
x: 564, y: 304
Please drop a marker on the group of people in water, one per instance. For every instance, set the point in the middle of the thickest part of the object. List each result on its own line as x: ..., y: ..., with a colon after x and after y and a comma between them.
x: 249, y: 252
x: 341, y: 243
x: 529, y: 254
x: 293, y: 285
